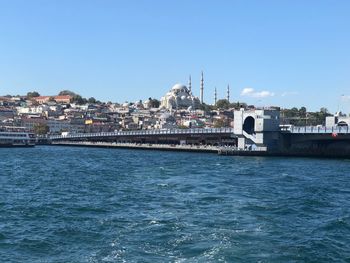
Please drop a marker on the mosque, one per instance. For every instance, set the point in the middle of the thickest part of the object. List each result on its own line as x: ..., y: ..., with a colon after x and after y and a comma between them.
x: 181, y: 97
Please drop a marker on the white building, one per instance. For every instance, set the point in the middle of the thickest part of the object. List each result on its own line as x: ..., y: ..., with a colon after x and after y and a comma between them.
x: 336, y: 120
x: 257, y: 127
x: 33, y: 109
x: 179, y: 97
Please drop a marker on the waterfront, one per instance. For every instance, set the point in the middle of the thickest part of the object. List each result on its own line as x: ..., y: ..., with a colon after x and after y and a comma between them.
x: 67, y: 204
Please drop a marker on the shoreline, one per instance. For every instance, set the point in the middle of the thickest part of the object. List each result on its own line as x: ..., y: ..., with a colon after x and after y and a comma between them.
x: 159, y: 147
x: 223, y: 151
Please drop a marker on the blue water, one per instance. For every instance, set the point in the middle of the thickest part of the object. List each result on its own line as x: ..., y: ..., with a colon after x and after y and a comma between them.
x: 62, y: 204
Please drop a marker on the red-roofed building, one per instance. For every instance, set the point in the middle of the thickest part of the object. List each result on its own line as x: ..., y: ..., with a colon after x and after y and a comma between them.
x: 63, y: 98
x: 59, y: 99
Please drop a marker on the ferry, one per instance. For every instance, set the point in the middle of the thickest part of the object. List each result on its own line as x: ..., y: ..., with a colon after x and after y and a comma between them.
x: 16, y: 137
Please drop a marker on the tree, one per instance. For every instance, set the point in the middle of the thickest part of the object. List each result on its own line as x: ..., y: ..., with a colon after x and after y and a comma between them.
x: 67, y: 92
x: 206, y: 107
x: 92, y: 100
x: 32, y: 94
x: 51, y: 99
x: 302, y: 112
x: 219, y: 123
x: 154, y: 103
x: 223, y: 104
x: 41, y: 128
x: 301, y: 117
x: 78, y: 99
x: 324, y: 110
x: 34, y: 102
x: 322, y: 114
x: 238, y: 105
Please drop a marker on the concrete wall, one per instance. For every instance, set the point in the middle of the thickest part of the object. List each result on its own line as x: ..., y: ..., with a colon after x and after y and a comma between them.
x: 266, y: 127
x: 238, y: 121
x: 265, y: 120
x: 332, y: 121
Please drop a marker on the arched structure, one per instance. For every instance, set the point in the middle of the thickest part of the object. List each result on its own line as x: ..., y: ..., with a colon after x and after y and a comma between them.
x: 256, y: 127
x: 249, y: 125
x: 342, y: 124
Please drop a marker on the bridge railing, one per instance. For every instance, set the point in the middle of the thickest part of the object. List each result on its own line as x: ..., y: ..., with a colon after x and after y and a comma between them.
x: 144, y: 132
x: 317, y: 129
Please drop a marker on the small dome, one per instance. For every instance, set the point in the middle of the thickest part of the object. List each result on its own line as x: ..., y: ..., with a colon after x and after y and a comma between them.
x: 179, y: 86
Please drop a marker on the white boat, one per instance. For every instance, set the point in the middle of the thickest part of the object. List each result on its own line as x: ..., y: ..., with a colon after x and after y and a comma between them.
x: 16, y: 137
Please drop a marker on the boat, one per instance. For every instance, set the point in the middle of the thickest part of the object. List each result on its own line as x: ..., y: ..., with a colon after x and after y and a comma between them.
x: 16, y: 137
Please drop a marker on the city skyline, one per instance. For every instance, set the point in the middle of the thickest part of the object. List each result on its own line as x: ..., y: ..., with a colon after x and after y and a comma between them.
x: 271, y: 53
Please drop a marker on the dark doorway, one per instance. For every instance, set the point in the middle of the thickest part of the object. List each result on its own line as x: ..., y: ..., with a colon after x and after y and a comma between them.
x: 342, y: 124
x: 248, y: 125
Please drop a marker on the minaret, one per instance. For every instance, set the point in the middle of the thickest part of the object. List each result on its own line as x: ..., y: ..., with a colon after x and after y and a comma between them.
x: 215, y: 97
x: 202, y: 89
x: 190, y: 85
x: 228, y: 93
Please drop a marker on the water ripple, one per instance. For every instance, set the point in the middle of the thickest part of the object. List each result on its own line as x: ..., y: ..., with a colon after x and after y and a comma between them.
x: 61, y: 204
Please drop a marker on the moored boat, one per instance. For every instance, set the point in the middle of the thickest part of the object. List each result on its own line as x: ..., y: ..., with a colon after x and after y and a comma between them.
x: 16, y: 137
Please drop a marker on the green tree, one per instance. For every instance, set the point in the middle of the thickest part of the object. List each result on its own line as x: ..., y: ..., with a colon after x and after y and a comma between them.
x: 322, y: 114
x: 41, y: 128
x: 34, y: 102
x: 92, y: 100
x: 324, y: 110
x: 219, y: 123
x: 206, y: 107
x: 154, y: 103
x: 223, y: 104
x: 32, y: 94
x: 67, y: 92
x: 78, y: 99
x: 238, y: 105
x: 301, y: 117
x: 302, y: 112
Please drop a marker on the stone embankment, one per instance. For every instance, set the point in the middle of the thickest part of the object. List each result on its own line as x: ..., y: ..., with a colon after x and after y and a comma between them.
x: 144, y: 146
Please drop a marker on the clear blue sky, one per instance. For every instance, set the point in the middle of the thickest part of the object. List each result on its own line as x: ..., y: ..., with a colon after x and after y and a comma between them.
x: 297, y: 51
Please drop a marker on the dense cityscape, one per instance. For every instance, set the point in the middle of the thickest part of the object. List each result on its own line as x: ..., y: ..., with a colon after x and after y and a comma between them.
x: 68, y: 112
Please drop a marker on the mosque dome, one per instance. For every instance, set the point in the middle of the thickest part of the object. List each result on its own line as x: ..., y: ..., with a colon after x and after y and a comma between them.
x: 179, y: 87
x: 179, y: 97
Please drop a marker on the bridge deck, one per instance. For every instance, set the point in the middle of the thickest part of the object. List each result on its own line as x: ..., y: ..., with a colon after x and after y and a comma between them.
x: 317, y: 130
x: 293, y: 130
x: 144, y: 133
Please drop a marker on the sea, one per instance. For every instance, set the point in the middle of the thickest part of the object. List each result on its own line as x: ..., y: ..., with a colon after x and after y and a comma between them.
x: 77, y: 204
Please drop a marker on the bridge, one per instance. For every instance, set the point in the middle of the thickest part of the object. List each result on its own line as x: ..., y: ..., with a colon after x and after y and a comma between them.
x: 316, y: 130
x: 155, y: 132
x: 199, y: 133
x: 253, y: 130
x: 209, y: 136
